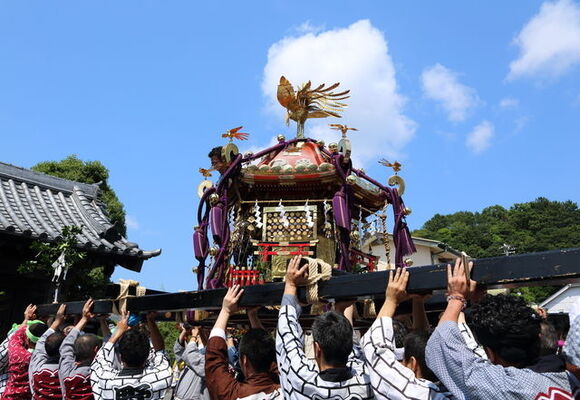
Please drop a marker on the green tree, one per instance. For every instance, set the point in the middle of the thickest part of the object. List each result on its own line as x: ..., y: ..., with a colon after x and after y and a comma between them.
x: 88, y: 172
x: 538, y: 225
x: 85, y: 278
x: 170, y: 332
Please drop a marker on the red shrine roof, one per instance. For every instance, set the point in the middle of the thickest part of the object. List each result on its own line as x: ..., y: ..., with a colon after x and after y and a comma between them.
x: 303, y: 167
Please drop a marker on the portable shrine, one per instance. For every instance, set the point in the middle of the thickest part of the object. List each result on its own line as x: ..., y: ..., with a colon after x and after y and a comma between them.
x: 298, y: 197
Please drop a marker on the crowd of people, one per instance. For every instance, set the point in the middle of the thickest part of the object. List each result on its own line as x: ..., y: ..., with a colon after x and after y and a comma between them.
x: 483, y: 347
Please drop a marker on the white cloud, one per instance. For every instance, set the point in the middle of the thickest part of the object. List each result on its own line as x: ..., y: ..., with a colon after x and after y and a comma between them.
x: 441, y: 84
x: 308, y: 27
x: 550, y: 42
x: 509, y: 102
x: 358, y: 57
x: 131, y: 222
x: 478, y: 140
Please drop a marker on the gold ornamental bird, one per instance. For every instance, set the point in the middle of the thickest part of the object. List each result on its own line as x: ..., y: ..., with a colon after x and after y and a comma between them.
x: 206, y: 172
x: 305, y: 103
x: 342, y: 128
x: 396, y: 166
x: 235, y: 133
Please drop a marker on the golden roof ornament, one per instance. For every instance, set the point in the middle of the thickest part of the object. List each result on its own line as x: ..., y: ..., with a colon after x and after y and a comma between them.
x: 306, y: 102
x: 235, y: 133
x: 395, y: 179
x: 342, y: 128
x: 230, y: 150
x: 396, y: 166
x: 206, y: 183
x: 206, y: 173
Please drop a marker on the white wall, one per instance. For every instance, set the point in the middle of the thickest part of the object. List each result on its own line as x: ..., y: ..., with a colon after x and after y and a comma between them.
x: 421, y: 257
x: 564, y: 301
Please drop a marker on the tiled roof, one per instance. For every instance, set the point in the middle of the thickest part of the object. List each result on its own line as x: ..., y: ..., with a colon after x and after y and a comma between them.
x: 38, y: 206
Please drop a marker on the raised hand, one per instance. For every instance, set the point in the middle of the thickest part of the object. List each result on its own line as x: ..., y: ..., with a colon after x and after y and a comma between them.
x: 457, y: 284
x: 30, y: 313
x: 87, y: 314
x: 296, y: 276
x: 123, y: 324
x: 59, y: 317
x: 397, y: 286
x: 396, y: 292
x: 230, y: 303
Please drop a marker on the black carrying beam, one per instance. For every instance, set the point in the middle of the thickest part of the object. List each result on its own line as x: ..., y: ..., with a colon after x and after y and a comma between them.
x: 101, y: 306
x: 75, y: 308
x: 546, y: 268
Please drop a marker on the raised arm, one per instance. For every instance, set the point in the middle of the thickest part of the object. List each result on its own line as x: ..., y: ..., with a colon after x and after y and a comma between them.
x: 39, y: 356
x: 220, y: 382
x: 103, y: 366
x: 420, y: 320
x: 447, y: 353
x: 295, y: 368
x: 458, y: 291
x: 156, y: 338
x: 67, y: 353
x: 390, y: 378
x: 255, y: 322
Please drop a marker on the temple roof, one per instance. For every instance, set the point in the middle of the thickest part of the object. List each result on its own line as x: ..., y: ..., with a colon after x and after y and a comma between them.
x: 38, y: 206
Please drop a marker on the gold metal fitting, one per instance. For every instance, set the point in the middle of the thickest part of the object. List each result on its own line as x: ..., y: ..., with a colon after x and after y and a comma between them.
x: 281, y: 138
x: 248, y: 154
x: 354, y: 236
x: 407, y: 211
x: 408, y: 262
x: 213, y: 251
x: 333, y: 147
x: 213, y: 199
x: 351, y: 179
x: 321, y: 143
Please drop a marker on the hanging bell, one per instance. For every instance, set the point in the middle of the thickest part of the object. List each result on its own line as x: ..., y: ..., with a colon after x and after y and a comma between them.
x: 408, y: 262
x: 213, y: 199
x: 213, y: 251
x: 407, y: 211
x: 281, y: 138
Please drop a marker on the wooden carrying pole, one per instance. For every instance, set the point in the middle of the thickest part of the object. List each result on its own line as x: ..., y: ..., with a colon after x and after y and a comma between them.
x: 532, y: 269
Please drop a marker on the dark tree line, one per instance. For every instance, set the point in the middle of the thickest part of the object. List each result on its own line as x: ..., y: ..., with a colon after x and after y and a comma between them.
x: 538, y: 225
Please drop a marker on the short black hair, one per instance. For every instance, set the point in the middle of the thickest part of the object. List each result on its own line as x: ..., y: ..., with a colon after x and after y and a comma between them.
x: 52, y: 344
x: 85, y: 345
x: 415, y: 343
x: 548, y: 339
x: 561, y: 323
x: 216, y: 152
x: 134, y: 348
x: 508, y: 326
x: 333, y: 333
x: 400, y: 332
x: 38, y: 329
x: 260, y: 348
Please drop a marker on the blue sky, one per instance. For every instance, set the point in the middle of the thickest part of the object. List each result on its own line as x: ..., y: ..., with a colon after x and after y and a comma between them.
x: 480, y: 102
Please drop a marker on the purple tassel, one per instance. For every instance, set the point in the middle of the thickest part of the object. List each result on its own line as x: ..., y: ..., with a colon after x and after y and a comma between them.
x: 216, y: 217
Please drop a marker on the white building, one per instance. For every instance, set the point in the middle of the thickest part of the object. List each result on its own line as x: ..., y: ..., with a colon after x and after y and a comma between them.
x: 563, y: 300
x: 428, y: 253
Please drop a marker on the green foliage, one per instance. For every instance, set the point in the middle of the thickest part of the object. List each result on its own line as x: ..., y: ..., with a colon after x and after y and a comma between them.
x: 170, y: 332
x: 88, y: 172
x: 538, y: 225
x: 83, y: 280
x: 48, y: 253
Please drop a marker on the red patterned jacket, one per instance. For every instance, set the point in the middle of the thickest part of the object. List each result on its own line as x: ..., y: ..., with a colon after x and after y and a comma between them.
x: 18, y: 387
